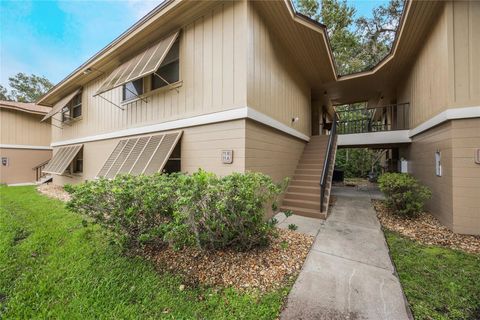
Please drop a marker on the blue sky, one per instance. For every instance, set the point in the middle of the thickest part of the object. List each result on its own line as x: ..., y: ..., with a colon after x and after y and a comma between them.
x: 52, y: 38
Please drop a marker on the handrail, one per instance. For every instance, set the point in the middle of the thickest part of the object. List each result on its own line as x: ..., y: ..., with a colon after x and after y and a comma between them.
x: 377, y: 119
x: 41, y: 164
x: 328, y: 159
x: 39, y: 170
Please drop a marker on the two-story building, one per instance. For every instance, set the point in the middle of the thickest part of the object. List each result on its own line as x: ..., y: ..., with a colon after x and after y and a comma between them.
x: 230, y: 86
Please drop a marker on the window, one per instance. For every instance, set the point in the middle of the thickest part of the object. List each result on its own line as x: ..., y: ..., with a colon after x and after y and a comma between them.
x: 169, y: 70
x: 78, y: 163
x: 438, y: 164
x: 132, y: 89
x: 73, y: 109
x: 174, y: 163
x: 65, y: 114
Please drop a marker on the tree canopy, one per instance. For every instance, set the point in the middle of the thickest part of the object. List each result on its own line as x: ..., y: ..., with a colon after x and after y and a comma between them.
x: 360, y: 43
x: 25, y: 88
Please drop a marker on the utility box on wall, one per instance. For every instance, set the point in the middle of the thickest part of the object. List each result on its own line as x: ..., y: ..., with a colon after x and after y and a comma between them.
x: 227, y: 156
x: 403, y: 166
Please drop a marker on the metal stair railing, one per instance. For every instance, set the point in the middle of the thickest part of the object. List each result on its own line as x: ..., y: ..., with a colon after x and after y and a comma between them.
x: 327, y: 162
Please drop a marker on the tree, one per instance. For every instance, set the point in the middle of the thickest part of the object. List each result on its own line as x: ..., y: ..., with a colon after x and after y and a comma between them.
x: 27, y: 88
x: 378, y: 32
x: 357, y: 44
x: 4, y: 93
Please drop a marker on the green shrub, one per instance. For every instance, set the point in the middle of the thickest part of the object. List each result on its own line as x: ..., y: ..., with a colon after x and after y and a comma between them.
x: 219, y: 212
x: 133, y: 207
x: 404, y: 194
x: 200, y: 210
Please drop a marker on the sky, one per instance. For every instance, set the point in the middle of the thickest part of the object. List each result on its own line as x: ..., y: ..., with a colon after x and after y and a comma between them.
x: 52, y: 38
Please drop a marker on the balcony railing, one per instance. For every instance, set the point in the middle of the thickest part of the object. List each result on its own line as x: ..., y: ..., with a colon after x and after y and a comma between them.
x: 363, y: 120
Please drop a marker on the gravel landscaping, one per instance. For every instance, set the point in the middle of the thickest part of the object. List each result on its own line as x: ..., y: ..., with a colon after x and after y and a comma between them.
x: 53, y: 191
x: 264, y: 269
x: 426, y: 229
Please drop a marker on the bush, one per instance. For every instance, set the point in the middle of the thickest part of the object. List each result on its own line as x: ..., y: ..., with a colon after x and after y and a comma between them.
x: 404, y: 194
x: 133, y: 207
x: 219, y: 212
x: 200, y: 210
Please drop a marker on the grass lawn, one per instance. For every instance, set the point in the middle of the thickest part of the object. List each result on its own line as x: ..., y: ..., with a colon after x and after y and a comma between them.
x: 439, y: 283
x: 51, y: 266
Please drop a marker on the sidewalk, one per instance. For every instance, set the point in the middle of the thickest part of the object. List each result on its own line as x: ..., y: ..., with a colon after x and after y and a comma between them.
x: 348, y: 273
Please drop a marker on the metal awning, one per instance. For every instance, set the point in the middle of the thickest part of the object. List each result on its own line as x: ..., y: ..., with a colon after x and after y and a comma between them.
x: 144, y: 155
x: 62, y: 159
x: 143, y: 64
x: 60, y: 104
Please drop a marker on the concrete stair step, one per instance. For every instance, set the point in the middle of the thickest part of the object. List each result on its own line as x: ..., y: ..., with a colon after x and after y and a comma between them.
x: 305, y: 183
x: 304, y: 212
x: 315, y: 172
x: 302, y: 203
x: 310, y: 161
x: 305, y: 190
x: 302, y: 196
x: 307, y: 177
x: 311, y: 166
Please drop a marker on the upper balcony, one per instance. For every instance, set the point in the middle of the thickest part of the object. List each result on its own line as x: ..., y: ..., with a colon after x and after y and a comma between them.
x: 373, y: 127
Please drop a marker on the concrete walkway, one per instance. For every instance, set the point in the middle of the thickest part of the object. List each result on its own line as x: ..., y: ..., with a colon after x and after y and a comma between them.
x: 348, y: 273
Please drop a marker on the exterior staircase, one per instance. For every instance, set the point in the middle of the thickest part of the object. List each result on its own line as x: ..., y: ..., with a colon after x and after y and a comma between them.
x: 40, y: 176
x: 303, y: 195
x: 44, y: 179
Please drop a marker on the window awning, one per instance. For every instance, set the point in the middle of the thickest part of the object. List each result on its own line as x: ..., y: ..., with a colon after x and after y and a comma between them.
x: 60, y: 104
x: 62, y: 159
x: 144, y: 155
x: 143, y: 64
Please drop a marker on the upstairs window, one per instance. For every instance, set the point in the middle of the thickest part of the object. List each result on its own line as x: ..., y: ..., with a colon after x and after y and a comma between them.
x: 73, y: 109
x: 169, y: 70
x: 132, y: 90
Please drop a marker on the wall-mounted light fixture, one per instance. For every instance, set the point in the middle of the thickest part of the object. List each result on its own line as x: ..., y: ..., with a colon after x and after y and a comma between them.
x: 295, y: 119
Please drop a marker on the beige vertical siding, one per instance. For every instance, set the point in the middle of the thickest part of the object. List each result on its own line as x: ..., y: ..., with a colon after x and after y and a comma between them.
x: 271, y: 152
x: 17, y: 127
x: 275, y: 86
x: 213, y: 60
x: 421, y: 156
x: 466, y: 176
x: 455, y: 200
x: 426, y: 84
x: 446, y: 72
x: 464, y: 42
x: 201, y: 147
x: 21, y: 164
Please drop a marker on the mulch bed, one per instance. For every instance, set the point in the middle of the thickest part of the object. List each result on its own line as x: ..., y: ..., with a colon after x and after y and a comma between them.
x: 426, y: 229
x: 264, y: 269
x: 53, y: 191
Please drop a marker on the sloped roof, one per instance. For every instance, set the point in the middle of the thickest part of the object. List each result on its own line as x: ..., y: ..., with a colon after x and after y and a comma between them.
x: 305, y: 40
x: 29, y: 107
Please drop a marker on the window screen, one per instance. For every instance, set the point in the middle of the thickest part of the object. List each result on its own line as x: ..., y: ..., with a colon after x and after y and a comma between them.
x: 169, y: 69
x: 133, y: 89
